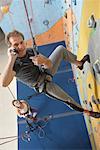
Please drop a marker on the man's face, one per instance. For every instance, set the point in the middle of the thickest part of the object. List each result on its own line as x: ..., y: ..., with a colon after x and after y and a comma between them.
x: 17, y: 104
x: 17, y: 42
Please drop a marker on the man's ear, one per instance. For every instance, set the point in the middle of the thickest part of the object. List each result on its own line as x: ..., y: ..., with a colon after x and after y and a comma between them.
x: 25, y: 42
x: 29, y: 43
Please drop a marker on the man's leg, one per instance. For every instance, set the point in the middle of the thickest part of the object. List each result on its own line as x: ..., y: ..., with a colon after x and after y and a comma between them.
x: 54, y: 91
x: 61, y: 53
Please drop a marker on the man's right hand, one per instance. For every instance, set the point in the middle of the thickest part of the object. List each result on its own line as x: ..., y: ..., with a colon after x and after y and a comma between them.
x: 12, y: 54
x: 8, y: 74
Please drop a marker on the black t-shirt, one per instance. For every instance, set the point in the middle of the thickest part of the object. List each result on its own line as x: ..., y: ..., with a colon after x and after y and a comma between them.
x: 25, y: 70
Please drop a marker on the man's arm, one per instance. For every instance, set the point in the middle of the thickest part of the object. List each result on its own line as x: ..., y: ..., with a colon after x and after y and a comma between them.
x: 41, y: 60
x: 8, y: 74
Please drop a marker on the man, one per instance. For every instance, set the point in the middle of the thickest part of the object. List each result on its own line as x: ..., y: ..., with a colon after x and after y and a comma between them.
x: 24, y: 110
x: 37, y: 71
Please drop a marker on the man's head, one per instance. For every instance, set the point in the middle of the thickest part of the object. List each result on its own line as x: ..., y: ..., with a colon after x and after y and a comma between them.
x: 15, y: 40
x: 16, y: 103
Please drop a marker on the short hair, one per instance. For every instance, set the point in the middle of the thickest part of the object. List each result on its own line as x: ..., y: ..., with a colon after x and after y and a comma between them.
x: 14, y: 33
x: 14, y: 102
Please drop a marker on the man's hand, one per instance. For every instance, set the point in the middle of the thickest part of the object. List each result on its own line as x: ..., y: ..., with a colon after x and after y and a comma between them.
x: 12, y: 54
x: 8, y: 73
x: 42, y: 61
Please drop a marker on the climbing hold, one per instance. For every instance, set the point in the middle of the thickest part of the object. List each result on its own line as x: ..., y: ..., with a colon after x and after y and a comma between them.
x: 65, y: 32
x: 65, y: 1
x: 96, y: 101
x: 89, y: 121
x: 77, y: 28
x: 92, y: 22
x: 65, y: 15
x: 93, y: 99
x: 4, y: 9
x: 96, y: 66
x: 89, y: 85
x: 83, y: 72
x: 47, y: 2
x: 74, y: 1
x: 85, y: 101
x: 46, y: 22
x: 90, y: 105
x: 95, y: 129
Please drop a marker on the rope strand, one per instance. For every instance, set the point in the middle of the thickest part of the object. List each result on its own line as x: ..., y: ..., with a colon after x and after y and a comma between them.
x: 33, y: 39
x: 11, y: 92
x: 8, y: 137
x: 8, y: 141
x: 56, y: 116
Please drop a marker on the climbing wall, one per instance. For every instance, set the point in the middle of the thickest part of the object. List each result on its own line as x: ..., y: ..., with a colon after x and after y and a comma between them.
x: 89, y: 79
x: 57, y: 133
x: 64, y: 22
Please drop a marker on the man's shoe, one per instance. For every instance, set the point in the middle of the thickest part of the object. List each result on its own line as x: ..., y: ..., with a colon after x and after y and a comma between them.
x: 92, y: 113
x: 95, y: 114
x: 92, y: 22
x: 84, y: 59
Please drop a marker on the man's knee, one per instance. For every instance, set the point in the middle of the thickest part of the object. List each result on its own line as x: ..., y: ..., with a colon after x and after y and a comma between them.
x: 60, y: 47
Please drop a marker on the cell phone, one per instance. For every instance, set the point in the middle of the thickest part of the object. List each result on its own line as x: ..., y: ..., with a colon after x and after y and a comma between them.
x: 15, y: 50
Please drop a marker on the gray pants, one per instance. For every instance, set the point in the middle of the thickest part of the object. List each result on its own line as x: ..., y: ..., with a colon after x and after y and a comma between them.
x: 51, y: 88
